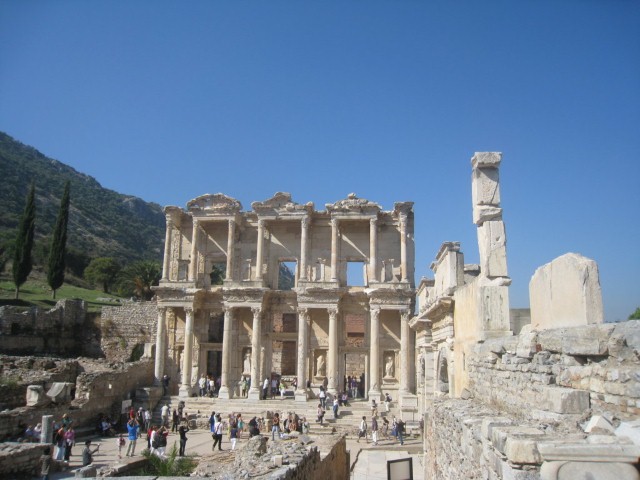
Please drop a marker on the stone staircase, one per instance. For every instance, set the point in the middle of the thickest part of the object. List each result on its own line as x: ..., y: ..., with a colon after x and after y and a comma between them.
x: 199, y: 409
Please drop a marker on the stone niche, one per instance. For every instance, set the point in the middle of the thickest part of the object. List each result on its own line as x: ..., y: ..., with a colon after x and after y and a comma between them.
x: 565, y: 293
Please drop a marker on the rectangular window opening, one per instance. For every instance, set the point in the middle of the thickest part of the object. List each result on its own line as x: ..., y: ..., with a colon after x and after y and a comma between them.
x: 287, y: 275
x: 355, y: 274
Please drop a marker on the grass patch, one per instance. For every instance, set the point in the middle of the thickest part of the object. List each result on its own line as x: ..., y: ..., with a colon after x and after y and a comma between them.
x: 171, y: 466
x: 36, y: 293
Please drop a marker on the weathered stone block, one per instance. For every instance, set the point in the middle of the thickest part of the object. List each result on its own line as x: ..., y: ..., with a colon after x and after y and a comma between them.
x: 630, y: 430
x: 500, y: 434
x: 492, y: 244
x: 587, y: 471
x: 522, y: 449
x: 36, y: 396
x: 563, y: 400
x: 489, y: 423
x: 598, y: 423
x: 566, y: 292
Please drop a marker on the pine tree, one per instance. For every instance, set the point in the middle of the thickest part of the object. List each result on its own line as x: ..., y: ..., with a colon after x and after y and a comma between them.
x: 24, y: 242
x: 55, y: 272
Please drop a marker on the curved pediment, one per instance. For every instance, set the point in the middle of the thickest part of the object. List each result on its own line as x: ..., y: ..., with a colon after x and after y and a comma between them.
x: 216, y: 203
x: 353, y: 204
x: 280, y: 203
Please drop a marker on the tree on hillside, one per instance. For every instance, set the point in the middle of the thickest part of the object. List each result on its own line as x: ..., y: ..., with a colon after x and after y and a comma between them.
x: 139, y: 277
x: 635, y: 315
x: 102, y: 271
x: 55, y: 272
x: 24, y: 241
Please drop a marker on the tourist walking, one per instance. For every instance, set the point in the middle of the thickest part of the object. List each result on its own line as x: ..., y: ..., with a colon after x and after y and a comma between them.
x: 363, y: 429
x: 320, y: 413
x: 164, y: 413
x: 335, y: 406
x: 374, y: 430
x: 233, y: 435
x: 217, y: 439
x: 265, y: 388
x: 387, y: 401
x: 275, y: 428
x: 323, y: 398
x: 133, y: 428
x: 69, y: 441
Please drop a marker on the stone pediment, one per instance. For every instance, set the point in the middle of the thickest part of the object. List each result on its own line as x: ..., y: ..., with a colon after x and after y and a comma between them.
x: 279, y: 204
x: 353, y: 204
x: 217, y: 203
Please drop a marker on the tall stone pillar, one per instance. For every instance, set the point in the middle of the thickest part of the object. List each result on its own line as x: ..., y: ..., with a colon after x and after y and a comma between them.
x: 304, y: 248
x: 167, y: 249
x: 193, y: 264
x: 334, y: 250
x: 259, y: 250
x: 256, y: 383
x: 161, y: 345
x: 374, y: 354
x: 405, y: 351
x: 230, y: 249
x: 403, y: 246
x: 225, y: 390
x: 46, y: 435
x: 187, y: 357
x: 373, y: 249
x: 303, y: 352
x: 332, y: 362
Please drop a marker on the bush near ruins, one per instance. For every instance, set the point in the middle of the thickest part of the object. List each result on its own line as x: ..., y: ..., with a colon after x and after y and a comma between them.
x: 172, y: 466
x: 635, y: 315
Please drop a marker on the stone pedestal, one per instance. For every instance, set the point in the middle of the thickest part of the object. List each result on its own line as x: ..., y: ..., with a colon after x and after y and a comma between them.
x: 185, y: 391
x: 302, y: 395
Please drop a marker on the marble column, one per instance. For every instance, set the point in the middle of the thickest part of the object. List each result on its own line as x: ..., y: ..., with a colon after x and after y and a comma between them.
x: 303, y: 352
x: 193, y: 263
x: 334, y: 250
x: 161, y: 345
x: 226, y: 391
x: 332, y: 361
x: 405, y: 351
x: 374, y: 349
x: 259, y: 250
x: 167, y: 249
x: 256, y: 334
x: 46, y: 435
x: 373, y: 249
x: 187, y: 356
x: 230, y: 249
x: 403, y: 246
x: 304, y: 248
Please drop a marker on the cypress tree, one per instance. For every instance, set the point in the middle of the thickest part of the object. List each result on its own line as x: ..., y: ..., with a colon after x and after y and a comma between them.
x: 24, y: 242
x: 55, y: 272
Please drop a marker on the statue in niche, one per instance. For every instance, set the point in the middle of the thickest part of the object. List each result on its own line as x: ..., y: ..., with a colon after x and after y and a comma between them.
x: 388, y: 367
x: 247, y: 362
x: 320, y: 366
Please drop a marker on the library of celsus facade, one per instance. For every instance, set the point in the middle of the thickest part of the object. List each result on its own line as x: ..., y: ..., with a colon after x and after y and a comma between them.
x: 288, y: 291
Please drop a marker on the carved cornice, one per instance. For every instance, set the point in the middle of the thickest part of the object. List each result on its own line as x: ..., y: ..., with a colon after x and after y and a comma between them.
x: 319, y: 296
x: 244, y: 296
x: 281, y: 204
x: 398, y: 299
x: 218, y: 204
x: 403, y: 208
x: 441, y: 307
x: 353, y: 204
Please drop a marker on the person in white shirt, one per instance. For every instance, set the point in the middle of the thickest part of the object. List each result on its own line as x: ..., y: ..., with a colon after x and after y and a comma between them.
x: 265, y: 388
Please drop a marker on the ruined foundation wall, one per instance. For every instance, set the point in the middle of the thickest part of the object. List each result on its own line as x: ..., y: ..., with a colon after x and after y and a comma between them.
x: 561, y: 371
x: 126, y: 326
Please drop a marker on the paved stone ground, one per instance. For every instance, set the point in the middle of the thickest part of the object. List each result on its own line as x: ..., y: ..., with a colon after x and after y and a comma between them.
x: 369, y: 462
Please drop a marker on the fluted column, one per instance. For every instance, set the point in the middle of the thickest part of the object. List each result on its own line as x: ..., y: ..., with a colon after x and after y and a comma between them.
x: 161, y: 345
x: 334, y: 249
x: 332, y: 362
x: 259, y: 250
x: 193, y: 264
x: 304, y: 248
x: 225, y: 391
x: 167, y: 249
x: 256, y: 384
x: 405, y: 351
x: 374, y: 349
x: 230, y: 249
x: 187, y: 356
x: 303, y: 352
x: 403, y: 246
x: 373, y: 249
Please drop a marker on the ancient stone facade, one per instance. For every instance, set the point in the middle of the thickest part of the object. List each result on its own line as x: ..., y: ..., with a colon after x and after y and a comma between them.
x: 286, y: 283
x: 127, y: 329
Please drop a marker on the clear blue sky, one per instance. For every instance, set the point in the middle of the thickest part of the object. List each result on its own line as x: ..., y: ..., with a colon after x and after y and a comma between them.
x: 387, y: 99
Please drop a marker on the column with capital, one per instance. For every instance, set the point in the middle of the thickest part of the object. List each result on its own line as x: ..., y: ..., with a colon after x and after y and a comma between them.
x: 167, y: 249
x: 187, y: 357
x: 304, y: 235
x: 334, y: 250
x: 161, y: 345
x: 193, y: 264
x: 374, y: 354
x: 332, y: 362
x: 256, y: 384
x: 230, y: 249
x: 259, y: 250
x: 403, y: 246
x: 225, y: 390
x: 303, y: 351
x: 373, y: 249
x: 405, y: 351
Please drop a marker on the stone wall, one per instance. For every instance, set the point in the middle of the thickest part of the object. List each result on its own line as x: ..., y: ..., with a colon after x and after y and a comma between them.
x: 561, y: 371
x: 18, y: 459
x: 126, y: 328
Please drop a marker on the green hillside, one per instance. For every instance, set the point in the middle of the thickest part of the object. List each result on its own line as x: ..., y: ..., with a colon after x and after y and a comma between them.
x: 102, y: 223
